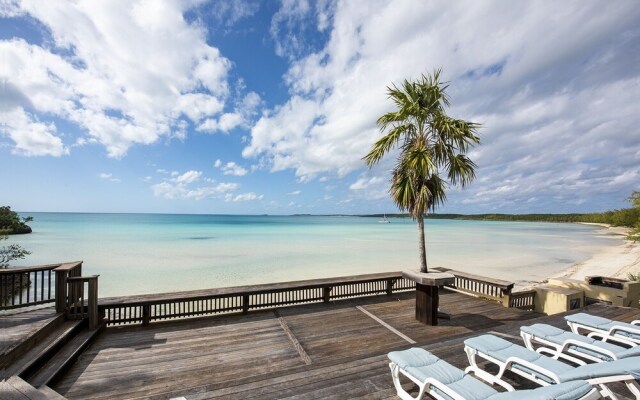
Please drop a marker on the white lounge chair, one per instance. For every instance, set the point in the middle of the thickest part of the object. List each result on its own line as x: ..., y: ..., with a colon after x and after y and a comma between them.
x: 443, y: 381
x: 545, y: 370
x: 608, y: 330
x: 559, y: 343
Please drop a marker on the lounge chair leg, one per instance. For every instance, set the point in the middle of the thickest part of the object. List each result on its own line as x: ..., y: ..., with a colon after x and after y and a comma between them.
x: 395, y: 375
x: 634, y: 388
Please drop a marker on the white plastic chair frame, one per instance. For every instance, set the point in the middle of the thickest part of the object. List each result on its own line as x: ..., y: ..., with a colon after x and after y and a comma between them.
x: 610, y: 335
x: 538, y: 371
x: 557, y: 351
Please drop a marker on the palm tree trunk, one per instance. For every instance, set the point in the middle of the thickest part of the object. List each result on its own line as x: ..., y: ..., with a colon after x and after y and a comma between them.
x: 422, y: 245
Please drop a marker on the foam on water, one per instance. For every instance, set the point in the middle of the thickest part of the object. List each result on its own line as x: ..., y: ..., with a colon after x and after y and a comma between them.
x: 147, y: 253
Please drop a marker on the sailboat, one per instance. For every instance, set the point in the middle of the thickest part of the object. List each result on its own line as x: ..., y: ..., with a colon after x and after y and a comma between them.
x: 384, y: 220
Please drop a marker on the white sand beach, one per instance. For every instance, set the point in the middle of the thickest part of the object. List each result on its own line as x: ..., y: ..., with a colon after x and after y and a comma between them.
x: 615, y: 261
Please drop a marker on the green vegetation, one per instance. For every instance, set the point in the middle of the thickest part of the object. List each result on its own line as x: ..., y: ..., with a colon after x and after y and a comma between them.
x: 11, y: 222
x: 11, y: 252
x: 431, y: 143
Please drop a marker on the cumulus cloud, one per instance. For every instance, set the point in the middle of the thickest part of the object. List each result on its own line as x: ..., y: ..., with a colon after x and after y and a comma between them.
x: 31, y: 137
x: 125, y: 73
x: 243, y: 197
x: 230, y: 168
x: 180, y: 186
x: 242, y: 115
x: 555, y: 95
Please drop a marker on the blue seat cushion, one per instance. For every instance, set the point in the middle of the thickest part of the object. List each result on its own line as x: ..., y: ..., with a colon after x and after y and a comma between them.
x: 502, y: 350
x: 421, y: 364
x: 626, y: 366
x: 602, y: 323
x: 563, y: 391
x: 559, y: 336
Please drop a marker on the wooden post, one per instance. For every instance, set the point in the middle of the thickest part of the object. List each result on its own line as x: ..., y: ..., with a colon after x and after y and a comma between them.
x: 61, y: 289
x: 94, y: 319
x: 245, y: 304
x: 326, y: 293
x: 146, y: 314
x: 427, y: 300
x: 390, y: 283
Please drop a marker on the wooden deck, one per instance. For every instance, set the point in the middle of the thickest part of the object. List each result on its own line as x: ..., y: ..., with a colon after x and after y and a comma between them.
x: 335, y: 350
x: 16, y: 327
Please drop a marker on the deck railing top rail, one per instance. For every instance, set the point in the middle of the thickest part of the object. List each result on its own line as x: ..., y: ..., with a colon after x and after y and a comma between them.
x: 244, y: 290
x: 504, y: 285
x: 47, y: 267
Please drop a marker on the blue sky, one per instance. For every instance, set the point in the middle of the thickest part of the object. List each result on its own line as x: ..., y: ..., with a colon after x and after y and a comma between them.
x: 252, y: 107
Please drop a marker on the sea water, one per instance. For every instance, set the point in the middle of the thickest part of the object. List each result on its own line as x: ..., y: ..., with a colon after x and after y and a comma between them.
x: 151, y: 253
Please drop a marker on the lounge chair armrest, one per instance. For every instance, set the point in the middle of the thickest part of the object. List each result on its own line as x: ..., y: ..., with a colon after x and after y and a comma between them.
x: 442, y: 387
x: 636, y: 322
x: 597, y: 349
x: 619, y: 328
x: 542, y: 371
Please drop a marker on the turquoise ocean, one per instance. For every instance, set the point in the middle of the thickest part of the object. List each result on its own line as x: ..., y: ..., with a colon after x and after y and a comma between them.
x: 150, y: 253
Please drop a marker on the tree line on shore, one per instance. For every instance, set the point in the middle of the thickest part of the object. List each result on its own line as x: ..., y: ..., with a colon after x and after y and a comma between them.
x: 626, y: 217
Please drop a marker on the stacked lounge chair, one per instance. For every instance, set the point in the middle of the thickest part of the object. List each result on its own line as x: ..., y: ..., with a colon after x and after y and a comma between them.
x: 443, y: 381
x: 559, y: 380
x: 604, y: 328
x: 559, y: 343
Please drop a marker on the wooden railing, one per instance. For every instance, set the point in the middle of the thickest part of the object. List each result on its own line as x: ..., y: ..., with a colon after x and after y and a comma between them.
x: 23, y: 287
x: 524, y: 300
x: 83, y: 303
x: 493, y: 289
x: 63, y: 273
x: 149, y: 308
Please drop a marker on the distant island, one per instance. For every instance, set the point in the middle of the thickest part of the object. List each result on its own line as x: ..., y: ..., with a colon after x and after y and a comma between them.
x: 626, y: 217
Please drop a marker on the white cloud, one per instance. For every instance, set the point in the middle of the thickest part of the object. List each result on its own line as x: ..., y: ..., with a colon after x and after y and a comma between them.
x: 555, y: 95
x: 230, y: 168
x: 31, y: 137
x: 294, y: 193
x: 188, y: 177
x: 126, y: 73
x: 244, y: 197
x: 365, y: 183
x: 179, y: 186
x: 241, y: 117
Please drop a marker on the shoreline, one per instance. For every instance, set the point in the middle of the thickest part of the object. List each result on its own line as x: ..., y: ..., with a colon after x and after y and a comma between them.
x: 616, y: 261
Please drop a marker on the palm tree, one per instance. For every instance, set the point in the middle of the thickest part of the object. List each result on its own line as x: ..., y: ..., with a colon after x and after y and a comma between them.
x: 431, y: 143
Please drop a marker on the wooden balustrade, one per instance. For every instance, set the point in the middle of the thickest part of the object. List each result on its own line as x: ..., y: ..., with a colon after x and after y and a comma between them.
x: 524, y: 300
x: 148, y: 308
x: 493, y: 289
x: 83, y: 303
x: 23, y: 287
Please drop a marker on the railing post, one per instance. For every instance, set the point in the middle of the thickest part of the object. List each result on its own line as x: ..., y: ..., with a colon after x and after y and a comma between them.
x: 390, y: 283
x: 506, y: 297
x: 326, y: 294
x: 146, y: 314
x: 245, y: 303
x: 93, y: 303
x: 61, y: 289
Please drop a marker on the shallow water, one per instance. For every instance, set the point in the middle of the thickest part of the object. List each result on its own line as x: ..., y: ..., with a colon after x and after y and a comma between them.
x: 147, y: 253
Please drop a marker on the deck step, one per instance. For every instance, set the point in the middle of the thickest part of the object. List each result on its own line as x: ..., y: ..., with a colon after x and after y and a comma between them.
x: 32, y: 360
x: 15, y: 388
x: 18, y: 349
x: 63, y: 358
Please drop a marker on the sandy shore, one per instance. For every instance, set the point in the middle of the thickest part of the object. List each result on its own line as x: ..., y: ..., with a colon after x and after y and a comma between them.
x: 615, y: 261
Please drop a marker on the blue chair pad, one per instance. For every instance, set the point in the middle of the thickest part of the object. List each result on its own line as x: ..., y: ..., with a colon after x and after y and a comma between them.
x: 602, y: 323
x: 421, y: 364
x: 563, y: 391
x: 502, y: 350
x: 559, y: 336
x: 626, y: 366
